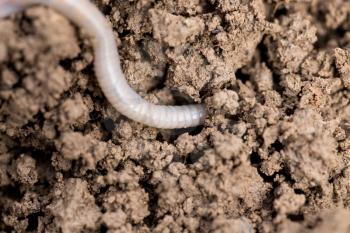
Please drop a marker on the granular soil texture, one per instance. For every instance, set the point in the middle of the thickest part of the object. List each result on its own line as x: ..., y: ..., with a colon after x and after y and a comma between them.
x: 272, y: 156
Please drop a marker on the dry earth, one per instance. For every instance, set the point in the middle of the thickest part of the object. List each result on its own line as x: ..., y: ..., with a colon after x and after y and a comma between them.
x: 273, y: 154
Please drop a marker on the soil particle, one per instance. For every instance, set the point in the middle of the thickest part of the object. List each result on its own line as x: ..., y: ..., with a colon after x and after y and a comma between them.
x: 342, y: 64
x: 43, y: 81
x: 325, y: 221
x: 74, y: 208
x: 225, y: 101
x: 24, y: 170
x: 317, y: 164
x: 272, y: 156
x: 293, y: 42
x: 224, y: 225
x: 175, y: 30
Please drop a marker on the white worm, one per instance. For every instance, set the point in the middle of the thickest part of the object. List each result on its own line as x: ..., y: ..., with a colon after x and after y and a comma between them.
x: 108, y: 69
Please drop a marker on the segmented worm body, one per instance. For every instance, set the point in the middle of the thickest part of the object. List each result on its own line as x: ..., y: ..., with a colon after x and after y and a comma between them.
x: 108, y: 69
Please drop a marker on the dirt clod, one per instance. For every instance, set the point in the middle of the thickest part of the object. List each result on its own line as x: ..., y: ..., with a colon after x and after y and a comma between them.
x: 272, y: 156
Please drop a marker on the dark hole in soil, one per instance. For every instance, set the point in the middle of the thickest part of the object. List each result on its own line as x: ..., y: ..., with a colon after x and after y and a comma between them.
x: 95, y: 115
x: 277, y: 145
x: 277, y: 83
x: 296, y: 217
x: 143, y: 49
x: 195, y: 130
x: 255, y: 159
x: 107, y: 9
x: 88, y: 70
x: 66, y: 64
x: 208, y: 7
x: 290, y: 111
x: 274, y: 214
x: 103, y: 229
x: 124, y: 33
x: 108, y: 124
x: 268, y: 179
x: 33, y: 221
x: 160, y: 137
x: 102, y: 171
x: 281, y: 11
x: 38, y: 119
x: 193, y: 157
x: 242, y: 76
x: 150, y: 220
x: 180, y: 98
x: 299, y: 191
x: 13, y: 192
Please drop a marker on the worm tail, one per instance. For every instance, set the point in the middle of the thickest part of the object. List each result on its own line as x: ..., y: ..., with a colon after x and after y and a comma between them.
x: 108, y: 69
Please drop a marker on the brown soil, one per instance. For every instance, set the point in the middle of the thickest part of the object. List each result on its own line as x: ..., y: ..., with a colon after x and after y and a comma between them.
x: 273, y: 155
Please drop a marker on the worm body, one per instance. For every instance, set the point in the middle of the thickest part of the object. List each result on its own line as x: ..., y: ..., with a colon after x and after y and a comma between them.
x: 108, y: 69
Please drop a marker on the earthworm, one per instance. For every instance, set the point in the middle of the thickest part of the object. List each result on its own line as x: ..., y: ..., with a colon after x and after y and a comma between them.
x: 108, y: 69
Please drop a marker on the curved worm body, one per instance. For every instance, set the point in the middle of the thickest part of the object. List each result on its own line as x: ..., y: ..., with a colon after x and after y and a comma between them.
x: 108, y: 69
